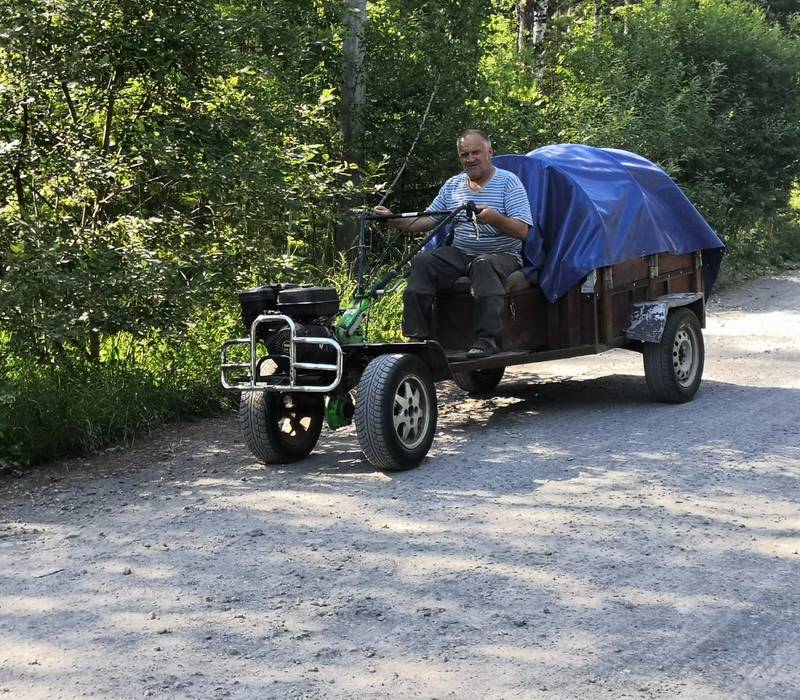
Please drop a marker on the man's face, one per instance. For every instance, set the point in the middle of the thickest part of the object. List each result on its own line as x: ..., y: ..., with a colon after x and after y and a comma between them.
x: 475, y: 156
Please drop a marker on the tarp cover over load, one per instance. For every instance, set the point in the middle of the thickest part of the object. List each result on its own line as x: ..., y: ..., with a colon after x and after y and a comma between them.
x: 594, y: 207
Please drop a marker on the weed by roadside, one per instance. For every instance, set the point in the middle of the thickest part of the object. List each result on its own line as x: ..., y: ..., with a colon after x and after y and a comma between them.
x: 52, y: 410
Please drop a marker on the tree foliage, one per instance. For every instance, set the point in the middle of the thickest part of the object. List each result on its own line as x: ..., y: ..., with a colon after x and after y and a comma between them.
x: 710, y: 91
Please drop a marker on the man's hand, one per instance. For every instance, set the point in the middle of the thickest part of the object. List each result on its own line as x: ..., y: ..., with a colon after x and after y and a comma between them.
x: 423, y: 223
x: 489, y: 216
x: 511, y: 227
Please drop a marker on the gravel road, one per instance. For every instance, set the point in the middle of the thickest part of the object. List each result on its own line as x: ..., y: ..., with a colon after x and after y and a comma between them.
x: 566, y: 539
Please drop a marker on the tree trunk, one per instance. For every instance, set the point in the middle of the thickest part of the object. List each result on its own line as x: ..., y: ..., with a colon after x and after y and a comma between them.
x: 598, y: 18
x: 70, y: 104
x: 94, y: 347
x: 525, y: 10
x: 113, y: 83
x: 16, y: 170
x: 354, y: 94
x: 625, y: 4
x: 533, y: 17
x: 541, y: 15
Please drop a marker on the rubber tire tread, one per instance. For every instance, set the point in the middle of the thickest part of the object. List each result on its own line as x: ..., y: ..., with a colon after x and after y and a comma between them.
x: 479, y: 381
x: 658, y: 370
x: 255, y: 410
x: 377, y: 441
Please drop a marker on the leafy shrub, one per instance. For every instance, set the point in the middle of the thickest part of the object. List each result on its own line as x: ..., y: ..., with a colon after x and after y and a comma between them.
x: 709, y: 90
x: 769, y: 244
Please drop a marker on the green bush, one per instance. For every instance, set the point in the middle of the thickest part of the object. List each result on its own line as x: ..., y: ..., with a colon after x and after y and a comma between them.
x: 769, y: 244
x: 709, y: 90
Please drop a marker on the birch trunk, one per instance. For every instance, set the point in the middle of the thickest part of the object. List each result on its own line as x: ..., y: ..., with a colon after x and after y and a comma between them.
x: 525, y: 10
x: 598, y: 18
x: 541, y: 15
x: 533, y: 17
x: 354, y: 94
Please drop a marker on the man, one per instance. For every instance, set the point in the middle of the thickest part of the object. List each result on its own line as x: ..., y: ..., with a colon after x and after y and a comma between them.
x: 488, y: 258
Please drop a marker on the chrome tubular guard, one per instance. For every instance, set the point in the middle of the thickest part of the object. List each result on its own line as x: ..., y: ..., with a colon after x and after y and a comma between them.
x: 279, y: 382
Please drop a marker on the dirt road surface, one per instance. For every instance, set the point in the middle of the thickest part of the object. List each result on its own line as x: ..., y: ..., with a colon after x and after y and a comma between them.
x: 566, y: 539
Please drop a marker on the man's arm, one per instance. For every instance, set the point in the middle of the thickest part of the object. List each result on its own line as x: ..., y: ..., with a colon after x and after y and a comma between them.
x: 516, y: 228
x: 422, y: 223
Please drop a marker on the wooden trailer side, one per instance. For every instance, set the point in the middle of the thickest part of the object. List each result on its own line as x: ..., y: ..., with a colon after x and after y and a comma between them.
x: 643, y: 279
x: 589, y: 314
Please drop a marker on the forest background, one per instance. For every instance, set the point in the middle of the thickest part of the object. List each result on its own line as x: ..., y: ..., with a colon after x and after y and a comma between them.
x: 156, y: 156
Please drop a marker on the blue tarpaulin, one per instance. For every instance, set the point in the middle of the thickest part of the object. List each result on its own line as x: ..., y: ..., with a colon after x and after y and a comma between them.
x: 594, y: 207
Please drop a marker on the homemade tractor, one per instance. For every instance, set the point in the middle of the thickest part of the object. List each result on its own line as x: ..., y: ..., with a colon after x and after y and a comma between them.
x: 309, y: 362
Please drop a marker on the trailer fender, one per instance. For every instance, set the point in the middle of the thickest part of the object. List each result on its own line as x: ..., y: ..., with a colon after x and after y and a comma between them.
x: 647, y: 319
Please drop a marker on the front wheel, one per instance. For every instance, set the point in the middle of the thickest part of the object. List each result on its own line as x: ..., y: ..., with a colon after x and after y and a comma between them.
x: 674, y: 367
x: 280, y: 427
x: 395, y: 412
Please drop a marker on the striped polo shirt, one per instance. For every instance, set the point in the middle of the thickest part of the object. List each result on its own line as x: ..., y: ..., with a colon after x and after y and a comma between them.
x: 505, y: 193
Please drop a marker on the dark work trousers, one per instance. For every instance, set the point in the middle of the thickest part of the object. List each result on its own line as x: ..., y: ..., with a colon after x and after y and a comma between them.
x: 438, y: 269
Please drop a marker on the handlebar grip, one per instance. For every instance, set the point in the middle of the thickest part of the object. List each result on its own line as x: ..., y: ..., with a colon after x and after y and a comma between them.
x: 383, y: 281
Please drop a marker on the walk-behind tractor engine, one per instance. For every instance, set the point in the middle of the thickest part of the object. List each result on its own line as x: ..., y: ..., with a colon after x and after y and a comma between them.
x: 296, y: 311
x: 294, y: 360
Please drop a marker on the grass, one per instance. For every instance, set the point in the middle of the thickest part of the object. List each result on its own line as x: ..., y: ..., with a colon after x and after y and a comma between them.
x: 52, y: 411
x: 59, y: 414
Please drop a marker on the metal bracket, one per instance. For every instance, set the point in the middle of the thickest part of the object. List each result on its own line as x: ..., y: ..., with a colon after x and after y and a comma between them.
x: 608, y: 277
x: 282, y: 382
x: 652, y: 266
x: 590, y: 283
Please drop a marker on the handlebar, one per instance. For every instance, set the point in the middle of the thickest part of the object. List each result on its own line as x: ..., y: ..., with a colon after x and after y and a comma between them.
x: 470, y: 207
x: 446, y: 215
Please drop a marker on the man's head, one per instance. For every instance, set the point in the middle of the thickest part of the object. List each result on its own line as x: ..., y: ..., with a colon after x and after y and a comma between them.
x: 475, y: 153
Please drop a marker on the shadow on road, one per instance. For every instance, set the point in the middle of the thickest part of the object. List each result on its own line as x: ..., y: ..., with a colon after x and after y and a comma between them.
x: 568, y: 535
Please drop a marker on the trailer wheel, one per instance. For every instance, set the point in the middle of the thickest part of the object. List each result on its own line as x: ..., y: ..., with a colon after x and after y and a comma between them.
x: 674, y: 367
x: 479, y: 381
x: 395, y: 412
x: 280, y: 427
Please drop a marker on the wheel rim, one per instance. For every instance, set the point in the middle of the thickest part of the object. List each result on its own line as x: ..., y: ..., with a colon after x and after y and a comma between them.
x: 411, y: 412
x: 684, y: 355
x: 293, y: 422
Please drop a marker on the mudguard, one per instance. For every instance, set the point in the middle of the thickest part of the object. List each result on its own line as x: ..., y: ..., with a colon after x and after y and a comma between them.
x: 647, y: 318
